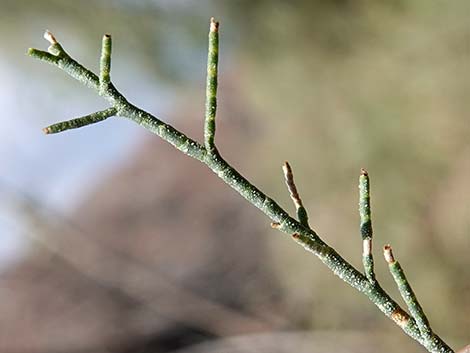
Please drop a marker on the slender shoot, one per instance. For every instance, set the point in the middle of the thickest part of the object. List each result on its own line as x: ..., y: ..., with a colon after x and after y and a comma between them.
x: 105, y: 63
x: 79, y: 122
x: 302, y: 215
x: 211, y: 86
x: 366, y: 225
x: 407, y: 294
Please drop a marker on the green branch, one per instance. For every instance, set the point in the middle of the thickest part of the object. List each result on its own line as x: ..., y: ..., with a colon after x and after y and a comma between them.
x: 105, y: 63
x: 211, y: 86
x: 407, y: 293
x: 92, y: 118
x: 300, y: 231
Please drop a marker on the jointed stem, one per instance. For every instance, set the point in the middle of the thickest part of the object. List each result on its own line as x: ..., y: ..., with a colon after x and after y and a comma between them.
x: 366, y: 225
x: 207, y: 154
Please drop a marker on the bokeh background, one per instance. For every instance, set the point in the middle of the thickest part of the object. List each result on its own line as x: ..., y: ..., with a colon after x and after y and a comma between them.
x: 113, y: 242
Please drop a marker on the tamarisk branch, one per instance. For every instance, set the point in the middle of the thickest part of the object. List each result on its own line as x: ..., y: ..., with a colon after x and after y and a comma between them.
x: 416, y: 325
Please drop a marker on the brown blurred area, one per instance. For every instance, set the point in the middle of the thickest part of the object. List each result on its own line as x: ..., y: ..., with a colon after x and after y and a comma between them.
x: 161, y: 256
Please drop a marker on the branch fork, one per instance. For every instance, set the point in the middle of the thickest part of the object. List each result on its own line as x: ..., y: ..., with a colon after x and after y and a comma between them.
x: 415, y: 325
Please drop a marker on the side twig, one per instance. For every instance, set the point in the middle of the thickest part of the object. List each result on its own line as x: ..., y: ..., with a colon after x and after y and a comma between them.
x: 302, y: 215
x: 407, y: 294
x: 211, y: 86
x: 300, y: 231
x: 366, y: 225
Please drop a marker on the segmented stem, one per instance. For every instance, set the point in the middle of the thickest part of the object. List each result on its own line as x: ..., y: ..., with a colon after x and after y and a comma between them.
x: 366, y: 225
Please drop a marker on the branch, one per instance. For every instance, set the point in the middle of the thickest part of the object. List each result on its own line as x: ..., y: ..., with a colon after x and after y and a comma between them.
x: 207, y: 154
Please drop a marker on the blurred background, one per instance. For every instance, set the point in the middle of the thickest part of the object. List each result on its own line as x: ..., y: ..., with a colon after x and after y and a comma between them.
x: 114, y: 242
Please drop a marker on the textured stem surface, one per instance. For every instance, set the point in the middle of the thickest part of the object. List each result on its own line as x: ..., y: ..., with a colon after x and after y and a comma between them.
x: 105, y: 63
x: 407, y: 294
x: 211, y: 86
x: 366, y: 225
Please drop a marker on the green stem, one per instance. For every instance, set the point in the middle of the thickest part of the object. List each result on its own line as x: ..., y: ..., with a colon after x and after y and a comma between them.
x: 366, y: 225
x: 92, y: 118
x: 207, y: 154
x: 407, y: 294
x: 211, y: 86
x: 105, y: 63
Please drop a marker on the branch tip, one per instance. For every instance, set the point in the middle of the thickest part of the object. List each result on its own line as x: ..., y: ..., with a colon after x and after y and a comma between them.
x: 289, y: 177
x: 364, y: 172
x: 50, y: 37
x: 214, y: 26
x: 388, y: 254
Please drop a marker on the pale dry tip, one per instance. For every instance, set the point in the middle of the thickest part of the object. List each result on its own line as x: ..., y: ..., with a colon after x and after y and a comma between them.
x: 49, y: 37
x: 289, y: 177
x: 214, y: 27
x: 287, y: 170
x: 46, y: 130
x: 388, y: 254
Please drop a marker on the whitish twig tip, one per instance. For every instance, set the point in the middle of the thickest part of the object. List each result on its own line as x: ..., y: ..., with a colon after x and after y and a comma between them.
x: 364, y: 172
x: 49, y: 37
x: 214, y: 27
x: 388, y: 254
x: 286, y: 167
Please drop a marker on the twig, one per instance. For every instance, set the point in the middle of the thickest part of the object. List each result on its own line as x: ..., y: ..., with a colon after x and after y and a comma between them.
x: 366, y: 225
x: 92, y: 118
x: 208, y: 154
x: 211, y: 86
x: 407, y: 293
x: 302, y: 215
x: 105, y: 63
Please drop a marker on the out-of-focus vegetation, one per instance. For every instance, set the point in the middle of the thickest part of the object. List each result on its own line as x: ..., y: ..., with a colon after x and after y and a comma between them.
x: 331, y: 86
